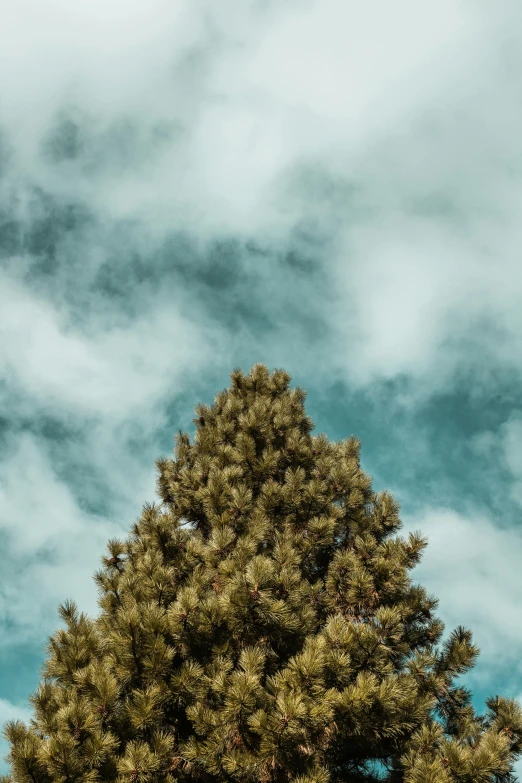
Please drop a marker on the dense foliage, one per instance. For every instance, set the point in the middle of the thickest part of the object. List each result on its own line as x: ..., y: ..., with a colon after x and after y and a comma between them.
x: 260, y: 625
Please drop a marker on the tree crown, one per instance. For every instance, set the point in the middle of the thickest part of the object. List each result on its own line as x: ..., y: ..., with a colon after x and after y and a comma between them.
x: 260, y: 624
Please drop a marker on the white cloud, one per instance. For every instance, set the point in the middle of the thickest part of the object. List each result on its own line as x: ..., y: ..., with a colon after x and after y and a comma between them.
x: 472, y: 566
x: 110, y: 372
x: 10, y: 711
x: 394, y: 100
x: 390, y: 101
x: 258, y: 93
x: 54, y: 547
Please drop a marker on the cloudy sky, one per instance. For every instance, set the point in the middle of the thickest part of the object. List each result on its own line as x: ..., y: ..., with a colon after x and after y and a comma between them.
x: 327, y: 186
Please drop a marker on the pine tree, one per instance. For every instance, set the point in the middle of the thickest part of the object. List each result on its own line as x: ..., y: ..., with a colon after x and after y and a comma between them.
x: 260, y: 625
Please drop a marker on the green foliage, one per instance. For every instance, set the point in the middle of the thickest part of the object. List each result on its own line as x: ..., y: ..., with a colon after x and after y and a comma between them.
x: 260, y: 626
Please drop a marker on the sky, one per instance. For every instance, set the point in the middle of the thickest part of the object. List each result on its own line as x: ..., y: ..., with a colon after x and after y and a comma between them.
x: 326, y: 186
